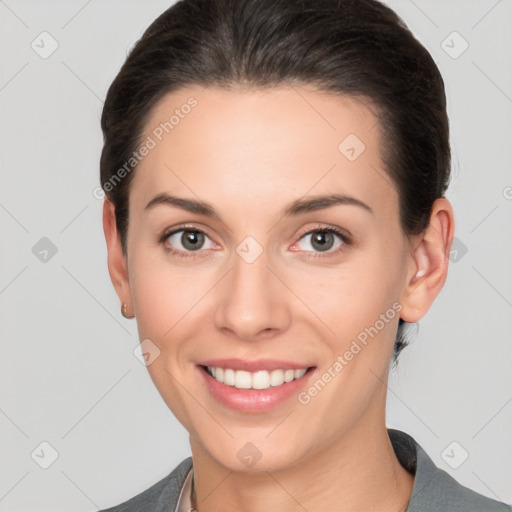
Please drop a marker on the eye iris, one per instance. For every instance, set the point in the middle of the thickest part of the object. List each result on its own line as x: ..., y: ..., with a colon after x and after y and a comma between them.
x: 320, y: 238
x: 192, y: 237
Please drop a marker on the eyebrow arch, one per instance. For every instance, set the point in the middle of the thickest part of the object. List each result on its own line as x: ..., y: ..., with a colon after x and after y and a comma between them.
x: 297, y: 207
x: 190, y: 205
x: 312, y: 204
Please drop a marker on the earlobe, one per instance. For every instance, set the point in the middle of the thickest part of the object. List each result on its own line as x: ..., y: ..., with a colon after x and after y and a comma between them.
x: 117, y: 265
x: 428, y: 263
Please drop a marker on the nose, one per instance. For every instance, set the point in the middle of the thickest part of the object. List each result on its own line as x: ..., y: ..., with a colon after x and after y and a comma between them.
x: 253, y: 303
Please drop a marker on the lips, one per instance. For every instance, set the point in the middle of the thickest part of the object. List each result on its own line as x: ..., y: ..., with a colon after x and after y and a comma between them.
x: 254, y: 386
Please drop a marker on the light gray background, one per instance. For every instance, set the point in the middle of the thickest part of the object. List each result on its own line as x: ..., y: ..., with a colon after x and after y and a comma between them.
x: 68, y: 373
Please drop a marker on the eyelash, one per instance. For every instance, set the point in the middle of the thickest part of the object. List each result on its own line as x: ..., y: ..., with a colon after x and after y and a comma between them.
x: 186, y: 254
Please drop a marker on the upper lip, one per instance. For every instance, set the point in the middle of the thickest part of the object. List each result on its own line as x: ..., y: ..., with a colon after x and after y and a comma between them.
x: 255, y: 365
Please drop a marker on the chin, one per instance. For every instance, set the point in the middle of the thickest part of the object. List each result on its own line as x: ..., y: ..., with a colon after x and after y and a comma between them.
x: 243, y: 455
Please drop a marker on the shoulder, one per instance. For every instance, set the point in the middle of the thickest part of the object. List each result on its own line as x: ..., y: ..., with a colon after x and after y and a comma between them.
x: 160, y: 497
x: 440, y: 491
x: 434, y: 489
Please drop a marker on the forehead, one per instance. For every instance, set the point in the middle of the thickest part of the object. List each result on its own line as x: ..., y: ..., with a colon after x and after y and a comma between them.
x: 247, y: 145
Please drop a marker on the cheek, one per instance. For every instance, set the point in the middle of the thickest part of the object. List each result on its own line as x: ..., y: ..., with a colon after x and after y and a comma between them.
x: 349, y: 297
x: 166, y: 293
x: 358, y: 303
x: 152, y: 295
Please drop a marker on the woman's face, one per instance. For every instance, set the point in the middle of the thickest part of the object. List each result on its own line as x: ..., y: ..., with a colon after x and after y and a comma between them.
x: 256, y: 291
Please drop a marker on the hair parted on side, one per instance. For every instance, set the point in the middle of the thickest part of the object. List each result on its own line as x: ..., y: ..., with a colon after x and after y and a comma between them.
x: 353, y: 48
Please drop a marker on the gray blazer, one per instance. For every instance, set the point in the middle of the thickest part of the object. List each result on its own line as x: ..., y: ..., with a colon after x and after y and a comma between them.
x: 434, y: 489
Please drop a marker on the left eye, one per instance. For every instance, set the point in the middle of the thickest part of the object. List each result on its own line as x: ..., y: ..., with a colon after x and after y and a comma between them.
x: 324, y: 239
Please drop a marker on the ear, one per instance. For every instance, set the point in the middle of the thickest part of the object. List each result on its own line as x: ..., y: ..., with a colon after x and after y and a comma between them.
x: 117, y: 264
x: 430, y: 255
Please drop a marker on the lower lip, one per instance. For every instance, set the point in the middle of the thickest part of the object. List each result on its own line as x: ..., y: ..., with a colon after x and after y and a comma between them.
x: 253, y: 400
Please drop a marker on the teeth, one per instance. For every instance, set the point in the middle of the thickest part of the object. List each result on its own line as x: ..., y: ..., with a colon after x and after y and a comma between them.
x: 262, y: 379
x: 289, y: 375
x: 276, y: 377
x: 243, y: 380
x: 229, y: 377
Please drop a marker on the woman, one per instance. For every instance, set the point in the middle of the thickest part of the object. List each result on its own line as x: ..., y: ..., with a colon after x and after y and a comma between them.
x: 275, y: 173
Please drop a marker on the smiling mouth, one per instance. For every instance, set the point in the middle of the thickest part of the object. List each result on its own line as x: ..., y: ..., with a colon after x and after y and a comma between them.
x: 261, y: 379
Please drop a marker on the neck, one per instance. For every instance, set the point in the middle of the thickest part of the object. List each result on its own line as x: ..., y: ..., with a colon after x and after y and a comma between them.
x: 359, y: 471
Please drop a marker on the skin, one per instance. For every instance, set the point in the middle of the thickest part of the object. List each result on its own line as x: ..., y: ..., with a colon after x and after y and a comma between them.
x: 249, y: 153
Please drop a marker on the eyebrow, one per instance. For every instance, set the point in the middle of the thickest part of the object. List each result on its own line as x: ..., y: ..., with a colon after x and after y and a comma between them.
x: 297, y: 207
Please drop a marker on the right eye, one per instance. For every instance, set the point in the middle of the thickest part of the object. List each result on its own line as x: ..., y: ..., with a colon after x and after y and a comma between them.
x: 191, y: 240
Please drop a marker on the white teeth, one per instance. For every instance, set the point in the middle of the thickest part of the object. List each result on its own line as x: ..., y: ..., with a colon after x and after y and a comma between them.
x: 229, y: 377
x: 276, y: 377
x: 242, y: 380
x: 289, y: 375
x: 262, y: 379
x: 299, y: 373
